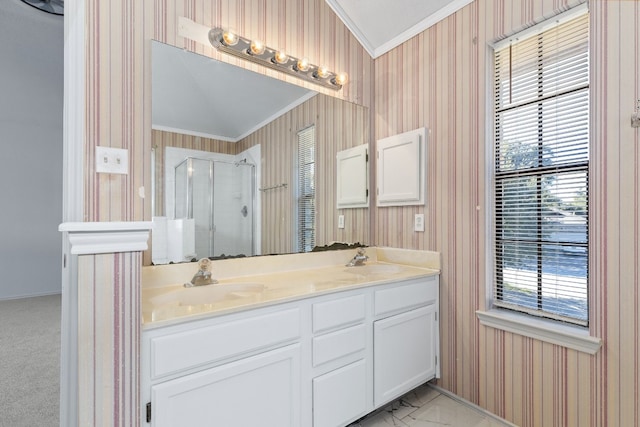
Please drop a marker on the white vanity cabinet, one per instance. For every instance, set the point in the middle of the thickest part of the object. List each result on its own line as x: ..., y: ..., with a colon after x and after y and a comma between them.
x: 406, y: 338
x: 236, y: 370
x: 321, y: 361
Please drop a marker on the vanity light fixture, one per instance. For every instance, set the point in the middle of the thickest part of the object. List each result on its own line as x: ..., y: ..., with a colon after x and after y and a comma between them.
x: 341, y: 78
x: 256, y: 51
x: 229, y: 38
x: 256, y: 47
x: 302, y: 65
x: 322, y: 72
x: 281, y: 57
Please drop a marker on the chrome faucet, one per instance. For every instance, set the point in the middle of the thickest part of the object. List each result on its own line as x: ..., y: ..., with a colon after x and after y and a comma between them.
x: 203, y: 276
x: 358, y: 259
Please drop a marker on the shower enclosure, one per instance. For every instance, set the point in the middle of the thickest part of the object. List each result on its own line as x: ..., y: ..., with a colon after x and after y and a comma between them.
x: 220, y: 197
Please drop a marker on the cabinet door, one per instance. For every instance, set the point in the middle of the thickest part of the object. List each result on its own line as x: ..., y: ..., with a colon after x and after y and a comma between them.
x: 340, y: 396
x: 404, y: 353
x: 353, y: 178
x: 261, y: 390
x: 401, y: 169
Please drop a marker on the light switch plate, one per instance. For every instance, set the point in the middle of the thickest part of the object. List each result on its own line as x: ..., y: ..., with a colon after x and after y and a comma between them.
x: 112, y: 160
x: 418, y: 224
x: 340, y: 221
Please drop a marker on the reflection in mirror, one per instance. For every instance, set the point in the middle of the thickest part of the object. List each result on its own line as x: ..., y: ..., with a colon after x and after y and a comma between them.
x: 214, y: 200
x: 225, y: 161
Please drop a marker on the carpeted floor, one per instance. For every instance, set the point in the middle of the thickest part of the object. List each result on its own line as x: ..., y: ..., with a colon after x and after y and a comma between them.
x: 30, y: 362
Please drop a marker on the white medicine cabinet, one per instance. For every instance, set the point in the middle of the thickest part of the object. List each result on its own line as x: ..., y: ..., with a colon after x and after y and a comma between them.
x: 353, y: 177
x: 401, y: 169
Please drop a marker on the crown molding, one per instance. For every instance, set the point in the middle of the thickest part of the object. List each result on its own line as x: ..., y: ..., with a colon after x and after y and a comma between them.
x: 352, y: 27
x: 421, y: 26
x: 377, y: 51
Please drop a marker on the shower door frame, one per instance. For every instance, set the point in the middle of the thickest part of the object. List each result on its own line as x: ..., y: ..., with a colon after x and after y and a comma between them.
x: 189, y: 196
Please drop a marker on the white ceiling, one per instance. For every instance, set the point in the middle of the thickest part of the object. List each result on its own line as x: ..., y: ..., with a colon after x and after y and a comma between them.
x: 196, y: 95
x: 381, y: 25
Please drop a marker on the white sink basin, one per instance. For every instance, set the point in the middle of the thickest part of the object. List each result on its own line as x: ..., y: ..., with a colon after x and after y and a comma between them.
x: 209, y: 294
x: 371, y: 269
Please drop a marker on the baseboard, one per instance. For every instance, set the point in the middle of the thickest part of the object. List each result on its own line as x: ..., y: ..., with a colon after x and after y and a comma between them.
x: 40, y: 294
x: 470, y: 404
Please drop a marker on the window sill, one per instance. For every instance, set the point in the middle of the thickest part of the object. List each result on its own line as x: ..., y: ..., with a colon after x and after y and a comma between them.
x: 572, y: 337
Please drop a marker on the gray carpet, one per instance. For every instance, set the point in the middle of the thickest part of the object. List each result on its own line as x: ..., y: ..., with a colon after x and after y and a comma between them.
x: 30, y: 362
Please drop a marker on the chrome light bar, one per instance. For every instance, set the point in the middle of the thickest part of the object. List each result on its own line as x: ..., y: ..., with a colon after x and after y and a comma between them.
x: 255, y: 51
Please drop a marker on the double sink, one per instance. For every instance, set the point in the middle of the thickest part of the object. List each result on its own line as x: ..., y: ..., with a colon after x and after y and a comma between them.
x: 178, y: 301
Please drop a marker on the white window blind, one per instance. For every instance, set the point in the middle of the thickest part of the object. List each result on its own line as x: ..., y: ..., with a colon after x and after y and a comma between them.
x: 306, y: 189
x: 541, y: 173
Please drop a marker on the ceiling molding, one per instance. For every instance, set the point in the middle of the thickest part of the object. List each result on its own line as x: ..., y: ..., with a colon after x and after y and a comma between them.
x: 277, y: 114
x: 193, y: 133
x: 377, y: 51
x: 421, y: 26
x: 351, y: 26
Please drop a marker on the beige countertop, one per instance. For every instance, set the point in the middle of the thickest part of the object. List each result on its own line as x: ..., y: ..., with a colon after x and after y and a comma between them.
x: 166, y: 301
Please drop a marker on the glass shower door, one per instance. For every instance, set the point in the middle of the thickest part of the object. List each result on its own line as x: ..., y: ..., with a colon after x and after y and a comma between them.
x: 233, y: 209
x: 201, y: 206
x: 193, y: 200
x: 219, y: 197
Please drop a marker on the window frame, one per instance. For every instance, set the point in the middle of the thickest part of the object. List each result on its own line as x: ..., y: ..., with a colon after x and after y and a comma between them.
x: 539, y: 173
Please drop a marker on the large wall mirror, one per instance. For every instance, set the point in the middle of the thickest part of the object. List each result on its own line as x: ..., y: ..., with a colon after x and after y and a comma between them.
x: 245, y: 164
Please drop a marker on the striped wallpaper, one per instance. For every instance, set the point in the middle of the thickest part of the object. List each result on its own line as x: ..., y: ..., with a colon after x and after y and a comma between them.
x: 440, y: 79
x: 109, y: 336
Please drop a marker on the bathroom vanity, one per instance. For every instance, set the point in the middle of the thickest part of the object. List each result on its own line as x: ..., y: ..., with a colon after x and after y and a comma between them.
x: 317, y: 346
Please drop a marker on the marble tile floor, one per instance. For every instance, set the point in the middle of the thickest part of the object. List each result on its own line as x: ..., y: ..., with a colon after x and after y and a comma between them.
x: 427, y: 407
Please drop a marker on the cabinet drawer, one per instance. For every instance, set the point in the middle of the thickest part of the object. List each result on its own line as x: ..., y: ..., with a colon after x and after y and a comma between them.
x: 337, y: 344
x: 414, y: 294
x: 336, y: 313
x: 180, y: 351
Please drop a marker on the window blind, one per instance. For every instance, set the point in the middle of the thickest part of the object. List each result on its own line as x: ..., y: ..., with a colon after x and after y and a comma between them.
x: 306, y: 190
x: 541, y: 130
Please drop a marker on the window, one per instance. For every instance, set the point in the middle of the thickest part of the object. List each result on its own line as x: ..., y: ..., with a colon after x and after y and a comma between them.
x: 541, y: 91
x: 306, y: 190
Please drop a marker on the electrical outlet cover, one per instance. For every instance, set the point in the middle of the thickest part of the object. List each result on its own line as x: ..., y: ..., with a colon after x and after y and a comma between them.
x: 418, y: 222
x: 112, y: 160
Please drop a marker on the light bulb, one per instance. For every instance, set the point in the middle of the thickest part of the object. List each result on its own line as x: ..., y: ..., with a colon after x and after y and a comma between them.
x: 341, y: 79
x: 229, y: 38
x: 303, y: 64
x: 281, y: 57
x: 322, y: 72
x: 257, y: 47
